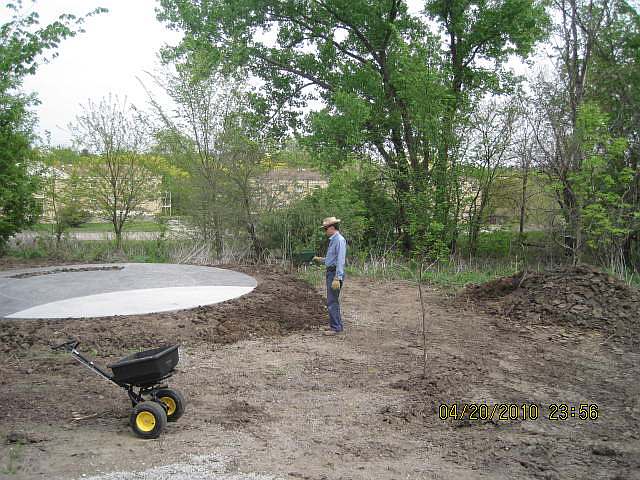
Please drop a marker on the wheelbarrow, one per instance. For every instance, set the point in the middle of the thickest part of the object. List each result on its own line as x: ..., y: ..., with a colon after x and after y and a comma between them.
x: 142, y: 376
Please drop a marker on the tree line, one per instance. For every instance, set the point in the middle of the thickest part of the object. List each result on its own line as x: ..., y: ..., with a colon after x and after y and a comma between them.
x: 427, y: 100
x: 420, y: 121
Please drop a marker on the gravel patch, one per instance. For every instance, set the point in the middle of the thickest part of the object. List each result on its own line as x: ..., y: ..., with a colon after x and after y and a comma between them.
x: 198, y: 467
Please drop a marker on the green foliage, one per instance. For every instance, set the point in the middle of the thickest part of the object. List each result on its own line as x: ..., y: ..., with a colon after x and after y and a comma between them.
x: 601, y: 182
x: 17, y: 205
x: 427, y: 231
x: 488, y: 31
x: 614, y: 85
x: 391, y: 88
x: 451, y: 276
x: 150, y: 251
x: 120, y: 175
x: 22, y: 45
x: 63, y: 189
x: 615, y: 75
x: 357, y: 196
x: 74, y: 216
x: 495, y: 244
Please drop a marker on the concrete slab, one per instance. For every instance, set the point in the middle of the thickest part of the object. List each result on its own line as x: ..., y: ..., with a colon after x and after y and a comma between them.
x: 81, y: 291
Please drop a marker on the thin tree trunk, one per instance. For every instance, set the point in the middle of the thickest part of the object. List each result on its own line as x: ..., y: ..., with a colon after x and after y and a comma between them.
x: 523, y: 200
x: 424, y: 323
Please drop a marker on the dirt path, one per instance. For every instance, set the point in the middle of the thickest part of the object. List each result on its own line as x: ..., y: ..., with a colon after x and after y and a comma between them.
x: 306, y: 406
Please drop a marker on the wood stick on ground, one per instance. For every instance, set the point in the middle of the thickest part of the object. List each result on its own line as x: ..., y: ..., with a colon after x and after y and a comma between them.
x: 524, y: 275
x: 77, y: 418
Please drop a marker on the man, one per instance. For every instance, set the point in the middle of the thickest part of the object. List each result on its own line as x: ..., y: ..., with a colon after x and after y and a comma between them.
x: 334, y: 261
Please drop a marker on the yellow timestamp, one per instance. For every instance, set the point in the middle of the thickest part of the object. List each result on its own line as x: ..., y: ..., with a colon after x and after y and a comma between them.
x: 517, y: 411
x: 565, y: 411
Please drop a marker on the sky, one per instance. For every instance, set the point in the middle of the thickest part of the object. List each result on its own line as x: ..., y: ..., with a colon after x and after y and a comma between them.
x: 115, y: 51
x: 116, y: 47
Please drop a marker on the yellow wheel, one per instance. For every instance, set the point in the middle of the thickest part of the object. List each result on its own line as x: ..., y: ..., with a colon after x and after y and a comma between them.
x: 148, y: 419
x: 145, y: 421
x: 173, y: 401
x: 170, y: 403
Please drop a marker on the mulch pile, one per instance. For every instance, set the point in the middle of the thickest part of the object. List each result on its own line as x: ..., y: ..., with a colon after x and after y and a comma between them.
x: 580, y: 296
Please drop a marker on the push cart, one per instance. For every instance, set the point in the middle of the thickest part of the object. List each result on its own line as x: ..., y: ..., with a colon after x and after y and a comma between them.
x: 142, y: 375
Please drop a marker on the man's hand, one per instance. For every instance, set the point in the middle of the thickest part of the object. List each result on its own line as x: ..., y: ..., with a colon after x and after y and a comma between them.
x: 318, y: 259
x: 335, y: 284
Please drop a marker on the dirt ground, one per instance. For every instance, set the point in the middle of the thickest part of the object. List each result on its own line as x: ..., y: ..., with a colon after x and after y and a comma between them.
x: 267, y: 390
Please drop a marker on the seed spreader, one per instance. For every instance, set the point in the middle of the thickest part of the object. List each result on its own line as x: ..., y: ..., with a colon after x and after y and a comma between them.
x: 142, y: 375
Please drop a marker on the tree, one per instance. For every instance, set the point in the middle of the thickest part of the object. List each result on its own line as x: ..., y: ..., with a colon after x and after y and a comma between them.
x: 379, y: 70
x: 244, y: 163
x: 600, y: 186
x: 578, y: 26
x: 122, y: 175
x: 490, y: 148
x: 615, y: 87
x: 480, y: 36
x: 524, y: 149
x: 22, y: 46
x: 17, y: 203
x: 213, y: 136
x: 64, y: 191
x: 597, y: 63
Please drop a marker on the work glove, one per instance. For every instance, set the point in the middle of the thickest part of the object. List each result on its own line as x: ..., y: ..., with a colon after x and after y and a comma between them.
x: 318, y: 259
x: 335, y: 284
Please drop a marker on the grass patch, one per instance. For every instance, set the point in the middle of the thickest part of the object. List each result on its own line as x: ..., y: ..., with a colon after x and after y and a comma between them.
x: 505, y: 243
x: 132, y: 226
x: 14, y: 459
x: 143, y: 251
x: 105, y: 251
x: 451, y: 276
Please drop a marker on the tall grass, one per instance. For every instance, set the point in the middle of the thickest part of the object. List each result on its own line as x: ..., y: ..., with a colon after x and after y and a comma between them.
x: 451, y: 275
x: 131, y: 226
x: 156, y: 251
x: 161, y: 250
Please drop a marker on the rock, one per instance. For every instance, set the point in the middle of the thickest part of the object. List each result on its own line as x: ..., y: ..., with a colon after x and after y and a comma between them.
x: 604, y: 450
x: 23, y: 438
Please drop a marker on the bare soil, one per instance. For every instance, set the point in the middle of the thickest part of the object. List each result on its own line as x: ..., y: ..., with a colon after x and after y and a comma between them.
x: 268, y: 390
x: 280, y: 303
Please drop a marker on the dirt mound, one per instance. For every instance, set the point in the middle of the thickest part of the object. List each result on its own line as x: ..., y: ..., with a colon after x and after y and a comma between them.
x: 280, y: 303
x: 64, y: 270
x: 580, y: 295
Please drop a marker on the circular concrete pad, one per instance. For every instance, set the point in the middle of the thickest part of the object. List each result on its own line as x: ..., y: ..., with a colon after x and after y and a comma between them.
x: 81, y: 291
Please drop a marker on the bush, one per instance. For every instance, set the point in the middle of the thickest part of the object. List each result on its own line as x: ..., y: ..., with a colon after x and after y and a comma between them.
x: 74, y: 216
x: 356, y: 195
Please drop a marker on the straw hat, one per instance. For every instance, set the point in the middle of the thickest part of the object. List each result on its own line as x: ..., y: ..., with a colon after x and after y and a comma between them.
x: 327, y: 222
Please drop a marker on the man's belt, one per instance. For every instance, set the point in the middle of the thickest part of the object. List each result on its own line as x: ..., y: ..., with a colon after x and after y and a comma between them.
x: 331, y: 268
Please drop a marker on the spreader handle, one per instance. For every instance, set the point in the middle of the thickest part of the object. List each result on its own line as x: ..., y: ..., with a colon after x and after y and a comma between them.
x: 69, y: 346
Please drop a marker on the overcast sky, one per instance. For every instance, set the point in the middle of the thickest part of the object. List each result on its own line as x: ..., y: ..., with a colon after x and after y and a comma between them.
x: 117, y: 47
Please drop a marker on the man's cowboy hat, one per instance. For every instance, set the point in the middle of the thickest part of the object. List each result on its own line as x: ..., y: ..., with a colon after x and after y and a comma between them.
x: 327, y: 222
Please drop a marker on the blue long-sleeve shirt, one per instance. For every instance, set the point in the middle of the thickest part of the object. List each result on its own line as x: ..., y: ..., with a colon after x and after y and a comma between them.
x: 336, y: 254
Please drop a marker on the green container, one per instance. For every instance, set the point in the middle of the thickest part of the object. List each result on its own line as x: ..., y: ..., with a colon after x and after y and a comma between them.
x: 303, y: 256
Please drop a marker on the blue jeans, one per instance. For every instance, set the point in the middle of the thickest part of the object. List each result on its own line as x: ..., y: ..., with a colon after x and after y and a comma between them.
x: 333, y: 303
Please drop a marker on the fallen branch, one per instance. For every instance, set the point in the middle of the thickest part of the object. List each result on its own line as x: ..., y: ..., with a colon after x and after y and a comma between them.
x: 77, y: 418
